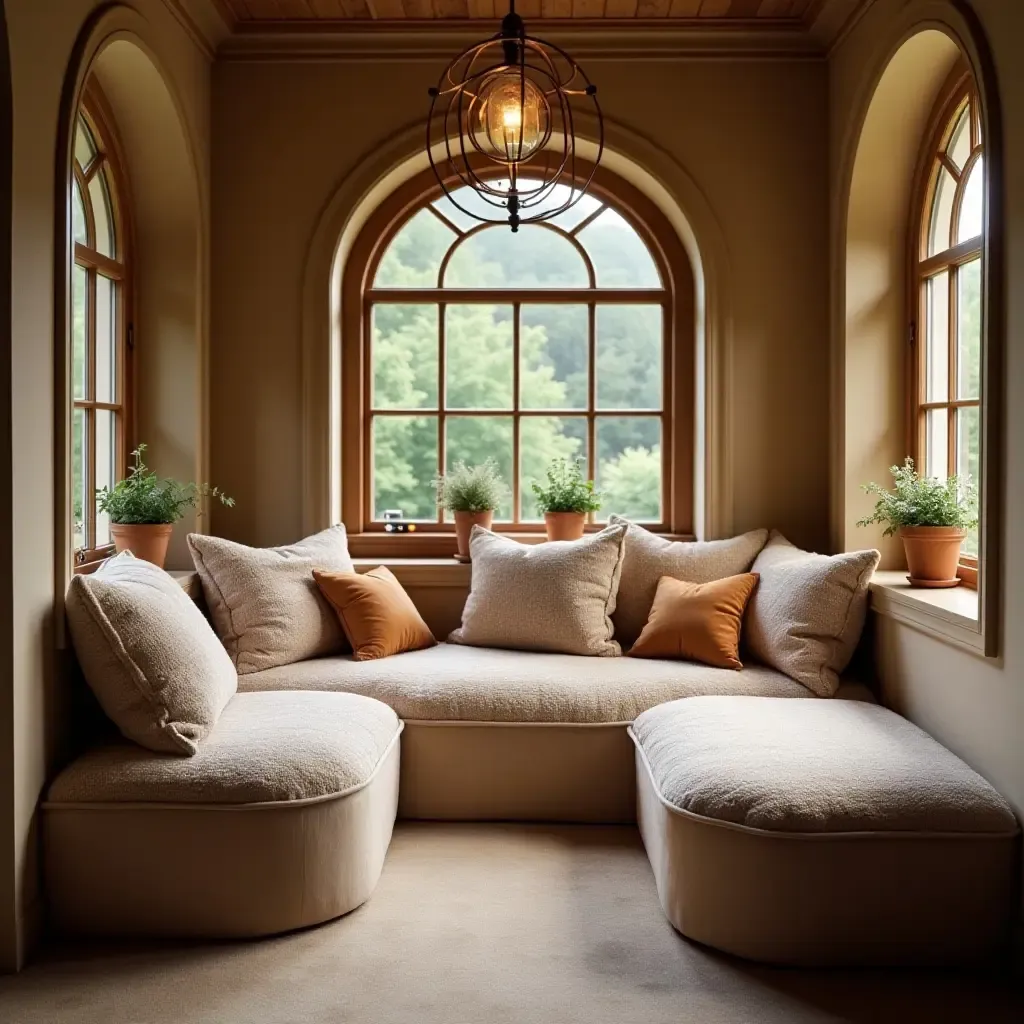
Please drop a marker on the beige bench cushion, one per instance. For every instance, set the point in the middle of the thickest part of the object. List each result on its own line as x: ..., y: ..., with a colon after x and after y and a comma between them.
x: 478, y: 684
x: 813, y: 766
x: 266, y: 747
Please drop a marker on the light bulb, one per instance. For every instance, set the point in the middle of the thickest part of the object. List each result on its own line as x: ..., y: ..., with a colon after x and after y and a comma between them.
x: 513, y: 117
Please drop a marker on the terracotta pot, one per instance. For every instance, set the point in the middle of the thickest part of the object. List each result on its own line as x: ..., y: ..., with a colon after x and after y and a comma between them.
x: 565, y: 525
x: 933, y: 552
x: 143, y: 540
x: 464, y: 523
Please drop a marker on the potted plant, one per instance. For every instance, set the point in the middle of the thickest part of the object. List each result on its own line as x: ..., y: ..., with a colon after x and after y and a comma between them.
x: 566, y: 499
x: 932, y: 516
x: 143, y: 508
x: 471, y: 494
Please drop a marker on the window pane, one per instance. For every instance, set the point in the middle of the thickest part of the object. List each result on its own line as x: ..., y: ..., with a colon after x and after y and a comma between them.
x: 103, y: 216
x: 942, y: 213
x: 79, y: 285
x: 413, y: 259
x: 620, y: 257
x: 970, y: 224
x: 79, y: 231
x: 473, y: 439
x: 968, y: 461
x: 404, y: 461
x: 936, y: 339
x: 629, y: 467
x: 553, y: 350
x: 533, y: 257
x: 78, y: 456
x: 106, y: 466
x: 478, y: 357
x: 106, y: 339
x: 959, y: 148
x: 937, y: 443
x: 85, y: 149
x: 404, y: 346
x: 470, y: 200
x: 629, y: 352
x: 969, y: 332
x: 541, y: 440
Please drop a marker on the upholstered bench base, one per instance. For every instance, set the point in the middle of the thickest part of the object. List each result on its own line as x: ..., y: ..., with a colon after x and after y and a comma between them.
x: 197, y: 859
x: 820, y: 884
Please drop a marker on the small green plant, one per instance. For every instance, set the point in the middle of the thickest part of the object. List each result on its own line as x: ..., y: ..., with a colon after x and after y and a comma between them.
x: 923, y: 501
x: 566, y: 489
x: 145, y: 498
x: 471, y: 488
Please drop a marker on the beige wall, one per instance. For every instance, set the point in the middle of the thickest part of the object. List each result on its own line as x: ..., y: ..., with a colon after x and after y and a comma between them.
x: 751, y: 135
x: 974, y: 706
x: 42, y: 36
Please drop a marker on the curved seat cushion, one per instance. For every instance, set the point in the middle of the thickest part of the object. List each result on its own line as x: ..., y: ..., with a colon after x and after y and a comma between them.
x: 821, y: 833
x: 281, y: 820
x: 451, y: 683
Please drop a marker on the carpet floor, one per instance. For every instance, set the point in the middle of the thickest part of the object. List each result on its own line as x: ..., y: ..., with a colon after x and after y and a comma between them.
x: 485, y: 924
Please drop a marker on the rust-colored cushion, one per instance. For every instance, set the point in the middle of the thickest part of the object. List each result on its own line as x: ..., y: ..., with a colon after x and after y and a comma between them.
x: 697, y: 621
x: 378, y: 616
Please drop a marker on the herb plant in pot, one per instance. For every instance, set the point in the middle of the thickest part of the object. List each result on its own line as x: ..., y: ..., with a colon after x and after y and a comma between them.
x: 565, y: 499
x: 144, y: 507
x: 471, y: 494
x: 932, y: 517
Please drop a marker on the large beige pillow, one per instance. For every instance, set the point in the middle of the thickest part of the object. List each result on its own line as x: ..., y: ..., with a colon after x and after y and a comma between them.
x: 152, y: 660
x: 264, y: 602
x: 649, y: 557
x: 808, y: 611
x: 557, y: 596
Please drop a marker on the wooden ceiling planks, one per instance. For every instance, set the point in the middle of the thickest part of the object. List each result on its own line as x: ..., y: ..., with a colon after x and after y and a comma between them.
x: 268, y: 11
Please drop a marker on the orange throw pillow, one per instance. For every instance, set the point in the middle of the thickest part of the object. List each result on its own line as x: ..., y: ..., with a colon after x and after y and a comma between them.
x: 378, y: 616
x: 697, y: 621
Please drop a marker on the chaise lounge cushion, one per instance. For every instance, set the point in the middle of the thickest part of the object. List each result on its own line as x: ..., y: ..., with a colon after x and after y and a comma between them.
x: 455, y: 683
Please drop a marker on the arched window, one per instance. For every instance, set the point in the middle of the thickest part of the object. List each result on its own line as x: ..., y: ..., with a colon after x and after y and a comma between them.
x: 100, y: 374
x: 947, y: 256
x: 566, y: 339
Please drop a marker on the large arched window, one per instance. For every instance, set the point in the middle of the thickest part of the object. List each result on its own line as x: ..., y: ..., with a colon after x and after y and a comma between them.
x: 947, y: 256
x: 100, y: 374
x: 563, y: 339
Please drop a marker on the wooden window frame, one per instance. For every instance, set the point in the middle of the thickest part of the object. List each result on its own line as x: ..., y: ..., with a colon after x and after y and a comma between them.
x: 959, y: 90
x: 108, y: 159
x: 677, y: 413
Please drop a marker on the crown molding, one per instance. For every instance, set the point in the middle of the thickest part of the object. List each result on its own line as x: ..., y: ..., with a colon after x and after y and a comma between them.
x: 830, y: 21
x: 599, y: 39
x: 204, y: 23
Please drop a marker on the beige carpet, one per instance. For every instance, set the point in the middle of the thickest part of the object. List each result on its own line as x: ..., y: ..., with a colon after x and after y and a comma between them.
x: 475, y: 924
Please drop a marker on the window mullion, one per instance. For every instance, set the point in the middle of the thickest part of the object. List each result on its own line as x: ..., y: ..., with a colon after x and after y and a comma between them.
x: 591, y: 395
x: 517, y: 314
x: 442, y: 395
x: 952, y: 375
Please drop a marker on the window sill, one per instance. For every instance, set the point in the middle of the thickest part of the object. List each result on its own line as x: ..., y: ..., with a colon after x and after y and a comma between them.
x: 421, y: 572
x: 952, y: 616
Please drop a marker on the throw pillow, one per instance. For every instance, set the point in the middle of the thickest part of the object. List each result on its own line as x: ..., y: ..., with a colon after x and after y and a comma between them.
x: 264, y: 602
x: 557, y: 596
x: 808, y: 612
x: 697, y: 621
x: 154, y: 663
x: 378, y: 616
x: 649, y: 557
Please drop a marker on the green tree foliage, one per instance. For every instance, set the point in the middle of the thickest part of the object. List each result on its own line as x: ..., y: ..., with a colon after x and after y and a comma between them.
x: 479, y: 370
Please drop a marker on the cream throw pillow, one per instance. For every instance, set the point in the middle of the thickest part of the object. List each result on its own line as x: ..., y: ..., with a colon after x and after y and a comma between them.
x: 807, y: 614
x: 152, y: 660
x: 649, y: 557
x: 264, y: 602
x: 556, y: 596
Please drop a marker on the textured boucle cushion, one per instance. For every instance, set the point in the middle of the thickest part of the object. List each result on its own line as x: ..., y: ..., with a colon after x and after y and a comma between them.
x: 808, y: 611
x: 149, y: 656
x: 557, y: 596
x: 264, y: 602
x: 812, y: 766
x: 648, y: 557
x: 266, y: 747
x: 449, y: 683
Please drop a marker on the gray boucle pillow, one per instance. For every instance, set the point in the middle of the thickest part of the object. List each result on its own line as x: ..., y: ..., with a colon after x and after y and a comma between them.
x: 807, y: 614
x: 264, y: 602
x: 146, y: 651
x: 556, y: 596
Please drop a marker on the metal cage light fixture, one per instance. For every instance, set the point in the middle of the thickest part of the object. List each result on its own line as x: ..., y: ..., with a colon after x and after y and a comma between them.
x: 502, y: 104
